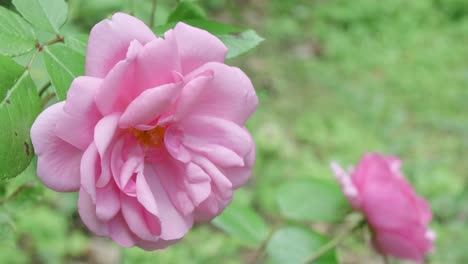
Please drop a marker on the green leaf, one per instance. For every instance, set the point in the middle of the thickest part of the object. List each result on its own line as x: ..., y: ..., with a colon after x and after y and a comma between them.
x: 77, y: 43
x: 293, y: 245
x: 239, y: 43
x: 47, y: 15
x: 186, y: 10
x: 244, y: 224
x: 19, y: 107
x: 16, y: 35
x: 312, y: 199
x: 63, y: 65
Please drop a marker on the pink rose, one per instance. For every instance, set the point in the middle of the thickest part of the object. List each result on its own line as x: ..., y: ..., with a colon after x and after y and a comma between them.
x: 397, y: 216
x: 153, y: 136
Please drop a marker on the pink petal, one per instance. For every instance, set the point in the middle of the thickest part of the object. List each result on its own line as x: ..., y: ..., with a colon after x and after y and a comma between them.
x: 90, y: 168
x: 391, y: 243
x: 117, y: 89
x: 107, y: 202
x: 197, y: 47
x: 83, y: 114
x: 349, y: 190
x: 132, y: 212
x: 157, y: 63
x: 149, y: 105
x: 145, y: 195
x: 221, y: 182
x: 173, y: 142
x: 58, y: 164
x: 160, y: 244
x: 229, y: 95
x: 171, y: 176
x: 191, y: 92
x: 199, y: 184
x: 200, y: 130
x: 87, y: 211
x: 240, y: 175
x: 217, y: 154
x: 120, y: 233
x: 109, y: 41
x: 174, y: 224
x: 104, y: 134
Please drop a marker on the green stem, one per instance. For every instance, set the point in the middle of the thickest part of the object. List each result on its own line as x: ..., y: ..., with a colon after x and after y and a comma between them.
x: 153, y: 13
x: 334, y: 242
x: 262, y: 249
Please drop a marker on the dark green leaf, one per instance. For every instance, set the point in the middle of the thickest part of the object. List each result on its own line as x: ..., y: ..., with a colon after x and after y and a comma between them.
x: 239, y: 43
x: 16, y: 35
x: 19, y: 107
x: 244, y: 224
x: 293, y: 245
x: 186, y: 10
x: 63, y: 65
x: 47, y: 15
x: 312, y: 199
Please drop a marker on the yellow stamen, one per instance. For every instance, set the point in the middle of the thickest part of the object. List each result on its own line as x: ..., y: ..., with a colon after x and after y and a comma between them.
x: 150, y: 138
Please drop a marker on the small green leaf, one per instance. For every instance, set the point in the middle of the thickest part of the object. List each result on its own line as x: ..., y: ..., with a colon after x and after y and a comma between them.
x: 16, y: 35
x: 77, y: 43
x: 239, y: 43
x: 312, y: 199
x: 63, y: 65
x: 293, y: 245
x: 244, y: 224
x: 186, y: 10
x: 19, y: 107
x: 47, y: 15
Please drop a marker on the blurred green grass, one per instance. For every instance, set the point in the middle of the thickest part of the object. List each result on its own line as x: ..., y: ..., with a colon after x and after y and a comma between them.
x: 335, y: 78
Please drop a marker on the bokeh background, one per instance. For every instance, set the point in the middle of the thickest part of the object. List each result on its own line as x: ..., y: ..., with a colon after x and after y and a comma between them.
x: 335, y: 78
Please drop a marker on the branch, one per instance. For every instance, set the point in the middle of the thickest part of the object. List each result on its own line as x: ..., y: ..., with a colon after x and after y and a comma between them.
x: 334, y: 242
x: 17, y: 192
x: 153, y: 12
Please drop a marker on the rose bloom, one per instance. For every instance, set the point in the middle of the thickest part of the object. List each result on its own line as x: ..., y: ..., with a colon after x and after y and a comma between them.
x: 397, y: 216
x: 153, y: 136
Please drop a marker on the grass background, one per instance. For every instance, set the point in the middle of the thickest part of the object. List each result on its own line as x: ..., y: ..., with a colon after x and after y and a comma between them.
x: 335, y: 78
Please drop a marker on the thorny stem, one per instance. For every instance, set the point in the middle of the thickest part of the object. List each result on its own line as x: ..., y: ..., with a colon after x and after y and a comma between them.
x: 260, y: 253
x: 334, y: 242
x: 40, y: 48
x: 44, y: 88
x: 153, y: 13
x: 17, y: 192
x: 385, y: 260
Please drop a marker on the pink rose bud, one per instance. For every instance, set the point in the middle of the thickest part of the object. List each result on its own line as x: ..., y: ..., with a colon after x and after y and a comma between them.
x: 153, y: 135
x: 397, y: 216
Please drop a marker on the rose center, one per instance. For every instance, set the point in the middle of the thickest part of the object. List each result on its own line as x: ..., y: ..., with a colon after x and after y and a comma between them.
x: 150, y: 138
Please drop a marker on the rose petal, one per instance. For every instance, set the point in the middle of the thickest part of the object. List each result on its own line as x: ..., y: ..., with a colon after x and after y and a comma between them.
x: 229, y: 94
x: 197, y: 47
x: 87, y: 211
x: 149, y: 105
x: 109, y: 41
x: 58, y: 164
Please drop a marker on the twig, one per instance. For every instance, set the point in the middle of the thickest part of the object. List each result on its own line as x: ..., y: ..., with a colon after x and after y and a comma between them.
x: 44, y: 88
x: 153, y: 13
x: 334, y: 242
x: 17, y: 192
x: 385, y: 259
x: 260, y: 253
x: 46, y: 99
